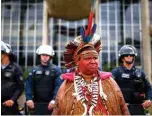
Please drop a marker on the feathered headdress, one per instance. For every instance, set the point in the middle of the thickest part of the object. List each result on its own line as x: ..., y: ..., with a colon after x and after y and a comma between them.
x: 87, y: 38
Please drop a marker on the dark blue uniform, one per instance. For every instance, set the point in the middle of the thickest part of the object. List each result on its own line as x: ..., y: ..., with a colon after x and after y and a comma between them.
x: 134, y: 86
x: 42, y: 86
x: 12, y: 86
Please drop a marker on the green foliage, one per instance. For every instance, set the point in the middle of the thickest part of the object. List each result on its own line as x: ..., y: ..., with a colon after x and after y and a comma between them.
x: 25, y: 73
x: 150, y: 110
x: 105, y: 67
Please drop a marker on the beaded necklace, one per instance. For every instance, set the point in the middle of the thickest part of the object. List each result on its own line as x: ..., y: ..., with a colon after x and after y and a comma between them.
x: 82, y: 88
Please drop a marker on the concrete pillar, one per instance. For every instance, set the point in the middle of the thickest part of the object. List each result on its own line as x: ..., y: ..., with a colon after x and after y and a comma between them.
x: 45, y: 23
x: 96, y: 6
x: 146, y: 46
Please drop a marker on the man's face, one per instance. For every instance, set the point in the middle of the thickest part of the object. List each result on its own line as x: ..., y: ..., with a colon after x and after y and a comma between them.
x: 44, y: 59
x: 128, y: 58
x: 4, y: 55
x: 88, y: 65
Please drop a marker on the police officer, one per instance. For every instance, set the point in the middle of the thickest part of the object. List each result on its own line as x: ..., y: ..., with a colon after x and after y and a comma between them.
x: 42, y: 83
x: 12, y: 84
x: 135, y: 87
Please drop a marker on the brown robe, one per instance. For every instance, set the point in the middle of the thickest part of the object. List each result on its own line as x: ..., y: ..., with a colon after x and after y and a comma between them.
x: 66, y: 103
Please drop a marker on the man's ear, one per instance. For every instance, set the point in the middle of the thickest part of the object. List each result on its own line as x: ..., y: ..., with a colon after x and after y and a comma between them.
x: 122, y: 59
x: 77, y: 63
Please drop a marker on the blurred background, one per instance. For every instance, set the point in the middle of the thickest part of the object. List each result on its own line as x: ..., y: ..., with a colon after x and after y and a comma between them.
x: 26, y: 24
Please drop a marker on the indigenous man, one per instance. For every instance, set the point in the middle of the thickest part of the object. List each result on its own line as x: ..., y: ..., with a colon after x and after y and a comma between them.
x: 86, y: 90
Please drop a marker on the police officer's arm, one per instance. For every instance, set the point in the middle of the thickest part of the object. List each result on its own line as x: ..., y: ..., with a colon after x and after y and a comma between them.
x: 148, y: 91
x: 148, y: 88
x: 28, y: 87
x: 19, y: 83
x: 58, y: 82
x: 114, y: 73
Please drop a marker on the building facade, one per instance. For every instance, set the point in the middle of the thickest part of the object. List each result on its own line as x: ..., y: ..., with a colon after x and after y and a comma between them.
x: 119, y: 24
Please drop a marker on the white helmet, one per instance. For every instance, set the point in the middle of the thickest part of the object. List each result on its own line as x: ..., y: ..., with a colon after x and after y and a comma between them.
x: 6, y: 48
x: 45, y: 49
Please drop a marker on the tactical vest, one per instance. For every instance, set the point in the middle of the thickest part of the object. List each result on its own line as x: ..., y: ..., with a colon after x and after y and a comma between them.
x: 8, y: 82
x: 44, y: 82
x: 132, y: 87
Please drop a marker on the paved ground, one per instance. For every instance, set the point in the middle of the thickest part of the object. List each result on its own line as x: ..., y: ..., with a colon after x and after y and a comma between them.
x: 21, y: 101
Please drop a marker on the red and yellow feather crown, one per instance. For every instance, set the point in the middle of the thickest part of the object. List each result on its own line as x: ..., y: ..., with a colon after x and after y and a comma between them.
x: 87, y: 38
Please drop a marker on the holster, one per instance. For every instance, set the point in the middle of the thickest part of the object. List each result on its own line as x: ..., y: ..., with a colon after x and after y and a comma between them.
x: 136, y: 109
x: 39, y: 109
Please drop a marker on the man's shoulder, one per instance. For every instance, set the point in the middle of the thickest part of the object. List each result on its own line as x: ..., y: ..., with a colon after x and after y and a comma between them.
x: 36, y: 67
x: 68, y: 76
x: 117, y: 70
x: 138, y: 68
x: 105, y: 75
x: 15, y: 66
x: 54, y: 66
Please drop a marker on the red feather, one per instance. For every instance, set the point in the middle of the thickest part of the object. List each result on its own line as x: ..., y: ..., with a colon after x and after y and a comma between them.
x: 90, y: 21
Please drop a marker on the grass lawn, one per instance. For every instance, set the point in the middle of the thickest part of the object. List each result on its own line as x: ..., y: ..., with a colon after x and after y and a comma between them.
x: 150, y: 110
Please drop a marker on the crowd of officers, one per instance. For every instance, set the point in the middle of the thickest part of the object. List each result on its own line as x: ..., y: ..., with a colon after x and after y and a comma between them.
x: 44, y: 80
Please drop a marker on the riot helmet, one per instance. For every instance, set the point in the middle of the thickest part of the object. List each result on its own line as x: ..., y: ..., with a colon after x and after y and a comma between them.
x: 127, y: 50
x: 5, y: 48
x: 45, y: 49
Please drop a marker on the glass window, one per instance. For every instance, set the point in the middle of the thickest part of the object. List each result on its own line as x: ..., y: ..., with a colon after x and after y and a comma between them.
x: 119, y: 23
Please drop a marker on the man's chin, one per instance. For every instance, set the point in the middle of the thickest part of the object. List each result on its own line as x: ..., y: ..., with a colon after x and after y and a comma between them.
x: 93, y: 70
x: 129, y: 62
x: 44, y: 63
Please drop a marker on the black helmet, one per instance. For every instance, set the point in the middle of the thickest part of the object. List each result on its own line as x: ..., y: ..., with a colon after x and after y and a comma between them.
x: 127, y: 50
x: 6, y: 48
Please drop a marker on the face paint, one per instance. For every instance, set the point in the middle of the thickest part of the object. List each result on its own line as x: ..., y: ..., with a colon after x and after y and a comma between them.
x: 88, y: 64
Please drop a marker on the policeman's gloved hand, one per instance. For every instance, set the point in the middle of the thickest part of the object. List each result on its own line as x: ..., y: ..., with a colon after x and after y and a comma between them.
x: 51, y: 105
x: 147, y: 104
x: 8, y: 103
x: 30, y: 104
